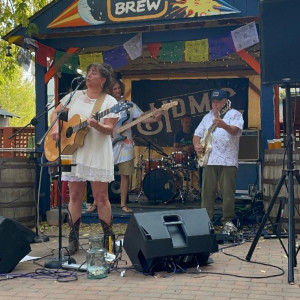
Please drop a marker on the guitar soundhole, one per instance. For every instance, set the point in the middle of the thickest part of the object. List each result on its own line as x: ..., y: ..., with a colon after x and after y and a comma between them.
x: 69, y: 132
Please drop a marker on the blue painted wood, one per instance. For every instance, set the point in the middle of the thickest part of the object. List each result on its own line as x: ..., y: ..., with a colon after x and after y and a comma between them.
x: 267, y: 116
x: 44, y: 17
x: 41, y: 127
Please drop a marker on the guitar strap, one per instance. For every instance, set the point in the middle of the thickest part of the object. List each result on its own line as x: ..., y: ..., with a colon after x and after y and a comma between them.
x: 98, y: 103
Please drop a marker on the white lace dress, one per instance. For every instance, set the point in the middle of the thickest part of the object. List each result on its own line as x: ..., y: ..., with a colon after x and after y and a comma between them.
x: 94, y: 159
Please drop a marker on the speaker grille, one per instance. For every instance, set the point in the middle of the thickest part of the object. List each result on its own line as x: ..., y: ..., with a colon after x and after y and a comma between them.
x: 249, y: 145
x: 279, y: 41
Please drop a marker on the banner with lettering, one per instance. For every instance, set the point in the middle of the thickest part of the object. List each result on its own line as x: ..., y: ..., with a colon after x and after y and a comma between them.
x: 192, y: 96
x: 89, y: 13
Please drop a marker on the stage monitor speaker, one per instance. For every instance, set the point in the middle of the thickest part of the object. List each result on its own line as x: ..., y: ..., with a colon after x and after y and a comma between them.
x: 279, y: 41
x: 156, y: 241
x: 14, y: 244
x: 250, y: 145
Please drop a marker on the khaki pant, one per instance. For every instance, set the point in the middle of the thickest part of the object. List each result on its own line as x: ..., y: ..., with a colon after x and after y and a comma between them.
x: 224, y: 177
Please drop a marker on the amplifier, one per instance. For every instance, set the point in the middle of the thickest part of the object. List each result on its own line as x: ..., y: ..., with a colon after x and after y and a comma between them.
x: 250, y: 145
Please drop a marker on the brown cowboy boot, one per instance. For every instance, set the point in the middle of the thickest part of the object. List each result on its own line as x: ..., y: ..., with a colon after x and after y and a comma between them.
x: 107, y: 231
x: 73, y: 238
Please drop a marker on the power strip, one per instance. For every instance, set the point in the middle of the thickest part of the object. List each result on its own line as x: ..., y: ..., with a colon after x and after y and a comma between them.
x: 109, y: 257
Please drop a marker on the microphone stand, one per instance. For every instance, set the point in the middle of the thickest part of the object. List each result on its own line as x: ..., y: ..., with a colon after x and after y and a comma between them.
x: 56, y: 263
x: 156, y: 148
x: 34, y: 121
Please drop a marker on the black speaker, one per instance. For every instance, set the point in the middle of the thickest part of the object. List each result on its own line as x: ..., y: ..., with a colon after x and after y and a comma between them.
x: 163, y: 240
x: 14, y: 244
x: 279, y: 40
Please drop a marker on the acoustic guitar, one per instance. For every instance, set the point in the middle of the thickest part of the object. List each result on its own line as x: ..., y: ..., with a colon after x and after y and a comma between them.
x: 74, y: 131
x: 119, y: 137
x: 206, y: 141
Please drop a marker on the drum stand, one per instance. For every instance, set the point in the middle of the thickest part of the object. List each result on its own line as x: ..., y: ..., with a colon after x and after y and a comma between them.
x: 187, y: 190
x: 149, y: 146
x: 139, y: 167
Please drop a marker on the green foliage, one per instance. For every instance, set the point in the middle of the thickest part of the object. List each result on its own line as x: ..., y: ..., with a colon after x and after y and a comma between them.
x: 17, y: 96
x: 32, y: 29
x: 12, y: 14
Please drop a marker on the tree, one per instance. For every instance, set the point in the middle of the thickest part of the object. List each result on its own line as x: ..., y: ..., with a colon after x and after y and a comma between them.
x: 14, y: 90
x: 18, y: 97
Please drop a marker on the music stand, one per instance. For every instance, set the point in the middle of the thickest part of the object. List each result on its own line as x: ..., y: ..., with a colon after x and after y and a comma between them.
x: 290, y: 173
x: 56, y: 263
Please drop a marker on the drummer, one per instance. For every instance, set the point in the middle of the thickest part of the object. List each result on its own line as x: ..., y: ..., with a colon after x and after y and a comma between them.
x: 183, y: 141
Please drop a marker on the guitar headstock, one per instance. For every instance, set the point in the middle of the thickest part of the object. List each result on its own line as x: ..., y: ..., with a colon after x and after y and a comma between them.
x: 225, y: 108
x: 166, y: 106
x: 121, y: 106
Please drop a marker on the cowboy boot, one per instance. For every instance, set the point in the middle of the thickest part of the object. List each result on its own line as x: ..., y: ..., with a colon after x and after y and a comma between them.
x: 73, y: 238
x: 107, y: 231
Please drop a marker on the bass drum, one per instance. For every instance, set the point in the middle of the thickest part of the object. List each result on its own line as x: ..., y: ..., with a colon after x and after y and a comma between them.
x: 161, y: 185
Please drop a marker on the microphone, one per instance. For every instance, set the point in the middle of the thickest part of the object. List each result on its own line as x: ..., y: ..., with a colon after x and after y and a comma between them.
x: 80, y: 79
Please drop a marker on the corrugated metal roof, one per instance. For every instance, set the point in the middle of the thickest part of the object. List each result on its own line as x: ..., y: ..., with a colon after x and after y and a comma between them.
x: 5, y: 113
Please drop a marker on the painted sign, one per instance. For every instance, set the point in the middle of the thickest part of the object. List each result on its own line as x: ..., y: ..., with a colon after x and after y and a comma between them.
x: 93, y: 12
x: 192, y: 96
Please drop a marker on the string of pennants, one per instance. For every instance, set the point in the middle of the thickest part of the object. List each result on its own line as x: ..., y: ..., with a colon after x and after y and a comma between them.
x: 192, y: 51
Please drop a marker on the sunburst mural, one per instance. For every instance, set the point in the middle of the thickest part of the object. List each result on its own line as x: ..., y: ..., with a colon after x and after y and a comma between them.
x: 96, y: 12
x: 200, y: 8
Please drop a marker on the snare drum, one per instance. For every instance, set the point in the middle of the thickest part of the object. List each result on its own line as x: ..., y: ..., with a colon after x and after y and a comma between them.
x: 179, y: 159
x: 154, y: 164
x: 161, y: 185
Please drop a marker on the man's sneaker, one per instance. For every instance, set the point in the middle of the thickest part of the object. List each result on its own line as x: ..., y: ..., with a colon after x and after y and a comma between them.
x: 229, y: 227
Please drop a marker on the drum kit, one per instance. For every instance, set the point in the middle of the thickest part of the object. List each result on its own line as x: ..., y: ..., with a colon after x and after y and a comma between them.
x: 166, y: 178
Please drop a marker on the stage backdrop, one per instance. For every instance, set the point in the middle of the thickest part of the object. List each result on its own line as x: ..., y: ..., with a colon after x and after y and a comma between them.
x: 192, y: 96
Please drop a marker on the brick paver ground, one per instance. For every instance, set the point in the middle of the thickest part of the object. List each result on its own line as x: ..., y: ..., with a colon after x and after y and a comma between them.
x: 226, y: 278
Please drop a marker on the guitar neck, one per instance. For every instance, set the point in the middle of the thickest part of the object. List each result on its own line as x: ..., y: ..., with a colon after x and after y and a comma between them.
x: 140, y: 119
x: 209, y: 132
x: 97, y: 117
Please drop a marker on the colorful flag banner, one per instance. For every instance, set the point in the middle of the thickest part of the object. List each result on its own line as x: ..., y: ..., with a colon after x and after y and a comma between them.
x: 220, y: 46
x: 86, y: 59
x: 115, y: 57
x: 245, y: 36
x: 31, y: 42
x: 134, y: 46
x: 171, y: 51
x: 24, y: 58
x: 66, y: 62
x: 44, y: 55
x: 154, y: 49
x: 196, y: 51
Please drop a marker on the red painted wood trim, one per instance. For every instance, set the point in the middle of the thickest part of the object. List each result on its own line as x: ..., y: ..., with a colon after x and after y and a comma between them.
x: 52, y: 71
x: 245, y: 56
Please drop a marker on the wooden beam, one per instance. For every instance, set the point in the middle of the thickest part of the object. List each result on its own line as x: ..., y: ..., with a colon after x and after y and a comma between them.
x: 276, y: 112
x: 52, y: 71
